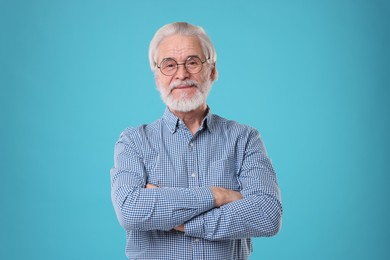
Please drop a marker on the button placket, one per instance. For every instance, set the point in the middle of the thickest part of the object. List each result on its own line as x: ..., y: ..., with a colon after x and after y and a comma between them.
x: 193, y: 170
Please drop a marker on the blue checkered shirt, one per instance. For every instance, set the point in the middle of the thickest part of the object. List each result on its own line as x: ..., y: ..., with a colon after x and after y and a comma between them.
x: 184, y: 167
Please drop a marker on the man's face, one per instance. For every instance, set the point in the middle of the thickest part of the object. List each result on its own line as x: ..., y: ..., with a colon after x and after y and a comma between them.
x: 183, y: 91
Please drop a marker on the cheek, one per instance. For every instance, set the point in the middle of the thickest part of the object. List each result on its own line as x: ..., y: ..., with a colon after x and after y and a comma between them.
x: 162, y: 86
x: 205, y: 75
x: 161, y: 82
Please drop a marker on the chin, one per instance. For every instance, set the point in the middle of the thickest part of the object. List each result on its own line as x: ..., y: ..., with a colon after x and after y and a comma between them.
x: 186, y: 105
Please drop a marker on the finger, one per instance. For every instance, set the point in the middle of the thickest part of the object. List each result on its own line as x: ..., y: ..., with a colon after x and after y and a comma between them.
x: 150, y: 186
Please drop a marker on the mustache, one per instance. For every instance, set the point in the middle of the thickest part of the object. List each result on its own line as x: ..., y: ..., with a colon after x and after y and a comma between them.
x: 187, y: 83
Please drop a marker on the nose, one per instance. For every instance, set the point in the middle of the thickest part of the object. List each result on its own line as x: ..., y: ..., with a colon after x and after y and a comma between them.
x: 181, y: 72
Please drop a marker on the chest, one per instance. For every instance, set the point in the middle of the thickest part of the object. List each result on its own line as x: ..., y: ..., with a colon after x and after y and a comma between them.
x: 205, y: 160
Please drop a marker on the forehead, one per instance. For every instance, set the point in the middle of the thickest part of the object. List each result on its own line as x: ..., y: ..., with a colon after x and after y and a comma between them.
x: 179, y: 47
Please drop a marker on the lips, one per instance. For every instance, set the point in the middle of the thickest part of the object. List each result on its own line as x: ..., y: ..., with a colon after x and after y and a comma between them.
x: 184, y: 86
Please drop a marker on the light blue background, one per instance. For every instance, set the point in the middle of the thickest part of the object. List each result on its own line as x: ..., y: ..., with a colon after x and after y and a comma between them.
x: 312, y: 76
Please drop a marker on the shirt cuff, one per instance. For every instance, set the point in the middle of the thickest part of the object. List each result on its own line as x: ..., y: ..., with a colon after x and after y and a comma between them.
x: 205, y: 199
x: 195, y: 227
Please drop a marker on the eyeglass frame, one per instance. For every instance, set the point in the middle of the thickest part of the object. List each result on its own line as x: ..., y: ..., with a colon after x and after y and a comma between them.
x: 184, y: 63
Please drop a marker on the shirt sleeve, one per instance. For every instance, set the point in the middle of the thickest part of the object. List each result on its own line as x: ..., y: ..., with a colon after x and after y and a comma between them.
x: 138, y: 208
x: 259, y: 213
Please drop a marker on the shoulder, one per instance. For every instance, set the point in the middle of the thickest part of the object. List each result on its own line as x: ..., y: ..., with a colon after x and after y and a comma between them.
x: 240, y: 134
x: 141, y: 132
x: 233, y: 127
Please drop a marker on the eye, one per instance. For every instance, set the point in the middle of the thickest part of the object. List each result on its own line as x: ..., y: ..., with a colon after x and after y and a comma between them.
x: 169, y: 64
x: 194, y: 61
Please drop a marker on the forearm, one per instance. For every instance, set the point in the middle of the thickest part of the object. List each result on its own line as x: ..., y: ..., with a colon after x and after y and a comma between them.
x: 250, y: 217
x: 221, y: 196
x: 163, y: 209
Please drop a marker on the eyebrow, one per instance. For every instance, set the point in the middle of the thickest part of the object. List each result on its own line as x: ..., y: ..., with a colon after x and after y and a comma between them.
x: 190, y: 56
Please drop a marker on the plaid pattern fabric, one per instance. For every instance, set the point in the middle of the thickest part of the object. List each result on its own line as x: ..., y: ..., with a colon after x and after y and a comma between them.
x: 184, y: 167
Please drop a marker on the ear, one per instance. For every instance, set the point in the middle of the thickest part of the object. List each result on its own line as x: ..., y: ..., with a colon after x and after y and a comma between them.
x: 157, y: 80
x: 214, y: 73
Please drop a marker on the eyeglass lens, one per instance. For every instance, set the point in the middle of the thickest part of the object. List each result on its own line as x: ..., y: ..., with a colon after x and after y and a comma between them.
x: 169, y: 66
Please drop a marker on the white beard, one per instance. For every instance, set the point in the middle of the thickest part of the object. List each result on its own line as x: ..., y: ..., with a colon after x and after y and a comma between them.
x: 185, y: 103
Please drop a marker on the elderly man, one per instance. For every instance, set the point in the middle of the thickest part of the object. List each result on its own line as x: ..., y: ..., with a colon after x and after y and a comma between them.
x: 191, y: 185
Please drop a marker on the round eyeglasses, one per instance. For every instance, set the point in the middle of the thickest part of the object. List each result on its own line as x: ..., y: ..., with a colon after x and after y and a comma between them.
x: 193, y: 65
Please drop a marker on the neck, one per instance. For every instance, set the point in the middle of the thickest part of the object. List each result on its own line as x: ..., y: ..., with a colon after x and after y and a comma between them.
x: 192, y: 119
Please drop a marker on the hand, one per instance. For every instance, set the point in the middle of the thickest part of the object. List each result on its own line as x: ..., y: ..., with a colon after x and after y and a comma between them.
x: 150, y: 186
x: 180, y: 228
x: 223, y: 196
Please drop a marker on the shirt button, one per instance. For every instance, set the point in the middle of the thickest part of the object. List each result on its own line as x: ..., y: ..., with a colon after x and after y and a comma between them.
x: 191, y: 144
x: 197, y: 240
x: 193, y: 174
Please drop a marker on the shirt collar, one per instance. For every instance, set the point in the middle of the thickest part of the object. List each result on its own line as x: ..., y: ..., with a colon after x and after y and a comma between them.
x: 173, y: 121
x: 170, y: 120
x: 208, y: 120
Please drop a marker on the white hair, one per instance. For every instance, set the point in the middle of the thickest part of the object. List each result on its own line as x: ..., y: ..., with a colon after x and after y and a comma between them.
x: 185, y: 29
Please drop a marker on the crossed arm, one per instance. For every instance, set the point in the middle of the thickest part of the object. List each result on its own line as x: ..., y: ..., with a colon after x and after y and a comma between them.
x: 213, y: 213
x: 221, y: 197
